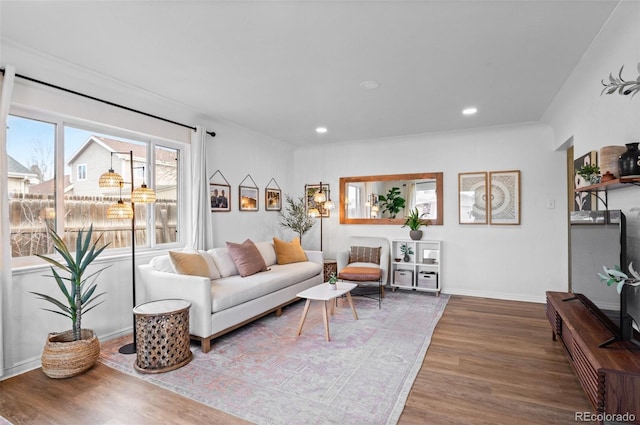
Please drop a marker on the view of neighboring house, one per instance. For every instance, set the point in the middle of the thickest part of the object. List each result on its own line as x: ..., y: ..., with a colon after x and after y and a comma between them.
x: 98, y: 154
x: 21, y: 178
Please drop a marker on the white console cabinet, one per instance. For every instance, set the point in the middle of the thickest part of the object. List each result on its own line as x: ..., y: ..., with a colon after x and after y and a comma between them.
x: 422, y: 271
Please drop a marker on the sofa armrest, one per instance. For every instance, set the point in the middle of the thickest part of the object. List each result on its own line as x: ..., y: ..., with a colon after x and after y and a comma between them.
x: 157, y: 285
x: 342, y: 259
x: 315, y: 256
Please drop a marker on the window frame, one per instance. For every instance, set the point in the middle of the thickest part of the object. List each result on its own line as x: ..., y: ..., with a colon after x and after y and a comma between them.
x: 78, y: 168
x: 61, y: 122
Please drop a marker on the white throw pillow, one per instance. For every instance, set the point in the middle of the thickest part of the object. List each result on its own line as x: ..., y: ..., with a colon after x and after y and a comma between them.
x: 162, y: 263
x: 224, y: 262
x: 213, y: 270
x: 267, y: 251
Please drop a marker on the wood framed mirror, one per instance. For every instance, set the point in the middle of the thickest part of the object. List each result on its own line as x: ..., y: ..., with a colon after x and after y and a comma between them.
x: 364, y: 199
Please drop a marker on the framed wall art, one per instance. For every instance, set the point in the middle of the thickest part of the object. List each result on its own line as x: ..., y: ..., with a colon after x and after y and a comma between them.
x: 310, y: 190
x: 219, y: 195
x: 272, y: 196
x: 248, y: 195
x: 472, y: 198
x: 584, y: 201
x: 504, y: 196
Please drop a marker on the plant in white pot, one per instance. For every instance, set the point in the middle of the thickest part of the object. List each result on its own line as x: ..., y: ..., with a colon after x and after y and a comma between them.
x: 72, y: 352
x: 415, y: 221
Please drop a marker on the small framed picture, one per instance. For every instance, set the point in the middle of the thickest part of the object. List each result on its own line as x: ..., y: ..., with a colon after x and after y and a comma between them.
x: 472, y: 198
x: 504, y: 193
x: 273, y: 199
x: 310, y: 191
x: 248, y: 198
x: 219, y: 194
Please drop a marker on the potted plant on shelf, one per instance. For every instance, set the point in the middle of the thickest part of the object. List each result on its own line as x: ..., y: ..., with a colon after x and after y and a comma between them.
x: 392, y: 203
x: 72, y: 352
x: 406, y: 251
x: 414, y: 221
x: 590, y: 172
x: 619, y: 277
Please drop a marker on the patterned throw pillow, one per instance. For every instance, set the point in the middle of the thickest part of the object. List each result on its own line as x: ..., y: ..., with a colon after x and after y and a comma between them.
x: 364, y: 254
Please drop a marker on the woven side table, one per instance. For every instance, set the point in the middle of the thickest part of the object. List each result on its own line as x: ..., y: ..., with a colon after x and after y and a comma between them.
x: 330, y: 266
x: 162, y: 336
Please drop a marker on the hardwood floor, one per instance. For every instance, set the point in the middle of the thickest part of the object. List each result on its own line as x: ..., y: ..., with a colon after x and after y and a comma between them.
x: 489, y: 362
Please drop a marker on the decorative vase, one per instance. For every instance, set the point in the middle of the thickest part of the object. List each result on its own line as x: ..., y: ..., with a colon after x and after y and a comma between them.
x: 333, y: 286
x: 406, y: 258
x: 415, y: 235
x: 608, y: 159
x: 629, y: 162
x: 63, y: 357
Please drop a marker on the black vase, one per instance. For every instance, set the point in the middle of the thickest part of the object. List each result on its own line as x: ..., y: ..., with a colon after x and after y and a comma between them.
x: 629, y: 161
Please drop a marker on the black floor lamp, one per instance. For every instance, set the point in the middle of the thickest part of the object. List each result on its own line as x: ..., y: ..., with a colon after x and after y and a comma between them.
x: 321, y: 204
x: 123, y: 211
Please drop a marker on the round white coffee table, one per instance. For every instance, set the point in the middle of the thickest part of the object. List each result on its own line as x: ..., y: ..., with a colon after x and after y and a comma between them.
x: 323, y: 292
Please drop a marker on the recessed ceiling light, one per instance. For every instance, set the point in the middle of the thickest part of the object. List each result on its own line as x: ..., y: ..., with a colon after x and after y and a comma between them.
x: 321, y: 130
x: 370, y: 85
x: 469, y: 111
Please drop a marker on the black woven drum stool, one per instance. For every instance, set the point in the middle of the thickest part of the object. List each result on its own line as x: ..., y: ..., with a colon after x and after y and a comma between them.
x: 162, y: 335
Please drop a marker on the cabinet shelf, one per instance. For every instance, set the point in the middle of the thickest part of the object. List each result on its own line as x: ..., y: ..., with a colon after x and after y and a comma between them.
x: 607, y: 186
x: 423, y: 270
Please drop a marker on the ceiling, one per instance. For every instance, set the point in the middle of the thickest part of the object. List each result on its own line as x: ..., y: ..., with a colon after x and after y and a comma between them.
x: 283, y: 68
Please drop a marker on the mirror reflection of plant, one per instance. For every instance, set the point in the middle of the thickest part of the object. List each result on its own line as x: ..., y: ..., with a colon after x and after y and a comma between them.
x: 295, y: 216
x: 393, y: 202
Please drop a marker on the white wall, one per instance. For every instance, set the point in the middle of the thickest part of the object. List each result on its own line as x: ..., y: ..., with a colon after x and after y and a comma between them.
x: 511, y: 262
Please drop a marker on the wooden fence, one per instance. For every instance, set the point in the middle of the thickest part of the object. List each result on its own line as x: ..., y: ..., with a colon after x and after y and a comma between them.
x: 30, y: 215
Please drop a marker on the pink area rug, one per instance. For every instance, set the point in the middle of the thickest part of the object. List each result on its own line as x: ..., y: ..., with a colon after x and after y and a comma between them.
x: 264, y: 374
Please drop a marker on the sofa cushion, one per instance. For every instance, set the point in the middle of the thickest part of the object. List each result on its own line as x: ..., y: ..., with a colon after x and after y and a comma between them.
x: 268, y: 252
x: 364, y: 254
x: 234, y: 290
x: 190, y: 263
x: 246, y: 257
x: 223, y: 261
x: 289, y: 252
x: 213, y: 270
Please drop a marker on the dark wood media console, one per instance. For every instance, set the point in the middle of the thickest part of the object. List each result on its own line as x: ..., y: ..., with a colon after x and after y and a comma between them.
x: 610, y: 375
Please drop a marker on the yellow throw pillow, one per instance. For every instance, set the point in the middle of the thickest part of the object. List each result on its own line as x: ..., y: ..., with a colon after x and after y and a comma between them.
x: 190, y: 263
x: 289, y: 252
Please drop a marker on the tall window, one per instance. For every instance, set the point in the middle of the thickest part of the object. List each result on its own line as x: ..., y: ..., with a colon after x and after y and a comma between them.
x: 36, y: 184
x: 30, y: 152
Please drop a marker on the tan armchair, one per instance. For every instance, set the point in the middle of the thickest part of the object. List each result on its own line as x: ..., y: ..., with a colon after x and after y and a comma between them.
x: 365, y: 262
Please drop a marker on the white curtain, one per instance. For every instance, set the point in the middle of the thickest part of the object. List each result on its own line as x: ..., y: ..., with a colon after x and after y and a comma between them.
x: 5, y: 241
x: 410, y: 196
x: 201, y: 225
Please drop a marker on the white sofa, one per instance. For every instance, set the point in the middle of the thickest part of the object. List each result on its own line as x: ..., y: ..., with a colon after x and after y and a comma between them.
x: 222, y: 304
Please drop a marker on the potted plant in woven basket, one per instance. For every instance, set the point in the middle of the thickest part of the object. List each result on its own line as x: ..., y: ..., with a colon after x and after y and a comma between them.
x: 72, y: 352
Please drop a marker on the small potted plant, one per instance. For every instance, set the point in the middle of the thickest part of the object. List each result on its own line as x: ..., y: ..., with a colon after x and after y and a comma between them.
x: 333, y: 281
x: 406, y: 251
x: 619, y: 277
x: 414, y: 221
x: 590, y: 172
x: 72, y: 352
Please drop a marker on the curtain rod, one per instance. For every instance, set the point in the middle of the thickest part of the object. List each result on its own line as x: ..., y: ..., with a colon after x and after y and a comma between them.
x: 24, y: 77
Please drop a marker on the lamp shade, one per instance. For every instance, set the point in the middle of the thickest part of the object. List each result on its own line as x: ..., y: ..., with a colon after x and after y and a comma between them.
x: 320, y: 196
x: 329, y: 205
x: 110, y: 179
x: 120, y: 211
x: 313, y: 212
x: 143, y: 195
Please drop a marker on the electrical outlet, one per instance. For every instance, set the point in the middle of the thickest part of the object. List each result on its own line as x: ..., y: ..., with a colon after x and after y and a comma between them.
x: 551, y: 204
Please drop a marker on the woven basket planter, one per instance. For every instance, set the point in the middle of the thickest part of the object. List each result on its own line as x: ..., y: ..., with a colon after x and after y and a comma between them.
x: 63, y: 357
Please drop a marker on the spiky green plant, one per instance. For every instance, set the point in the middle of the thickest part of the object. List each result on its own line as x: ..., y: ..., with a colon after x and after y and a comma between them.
x: 77, y: 289
x: 414, y: 220
x: 296, y: 217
